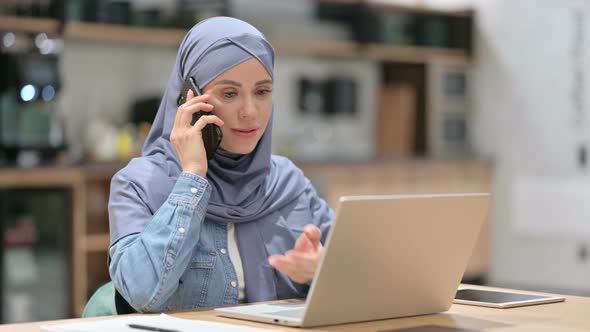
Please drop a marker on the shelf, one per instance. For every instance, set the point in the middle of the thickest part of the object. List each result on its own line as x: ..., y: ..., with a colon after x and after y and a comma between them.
x: 56, y: 176
x: 39, y: 177
x: 29, y: 24
x: 419, y: 9
x: 317, y: 47
x: 173, y: 38
x: 383, y: 53
x: 339, y: 49
x: 97, y: 242
x: 124, y: 34
x: 416, y: 54
x: 400, y: 7
x: 341, y: 2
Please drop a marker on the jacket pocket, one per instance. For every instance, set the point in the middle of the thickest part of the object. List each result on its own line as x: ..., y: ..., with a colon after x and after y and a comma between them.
x: 200, y: 271
x: 204, y: 259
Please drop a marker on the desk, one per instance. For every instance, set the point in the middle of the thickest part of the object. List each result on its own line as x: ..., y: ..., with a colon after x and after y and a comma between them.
x: 568, y: 316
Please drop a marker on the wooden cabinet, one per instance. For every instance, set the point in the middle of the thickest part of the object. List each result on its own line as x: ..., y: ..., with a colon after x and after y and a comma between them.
x: 89, y: 189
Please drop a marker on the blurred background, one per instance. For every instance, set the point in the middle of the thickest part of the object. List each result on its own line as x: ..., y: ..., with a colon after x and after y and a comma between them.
x: 372, y: 97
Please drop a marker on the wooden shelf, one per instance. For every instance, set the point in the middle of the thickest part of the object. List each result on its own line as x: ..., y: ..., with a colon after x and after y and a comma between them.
x: 338, y: 49
x: 66, y: 176
x: 400, y: 7
x: 341, y: 2
x: 29, y: 24
x: 318, y: 48
x: 173, y: 37
x: 415, y: 54
x: 39, y: 177
x: 420, y: 9
x: 97, y: 242
x: 383, y: 53
x: 124, y: 34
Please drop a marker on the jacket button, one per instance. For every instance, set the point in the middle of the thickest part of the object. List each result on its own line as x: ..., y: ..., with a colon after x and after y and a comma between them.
x: 223, y: 251
x: 181, y: 230
x: 194, y: 190
x: 234, y: 284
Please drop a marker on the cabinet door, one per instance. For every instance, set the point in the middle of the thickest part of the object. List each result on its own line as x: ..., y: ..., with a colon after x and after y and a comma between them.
x: 35, y: 256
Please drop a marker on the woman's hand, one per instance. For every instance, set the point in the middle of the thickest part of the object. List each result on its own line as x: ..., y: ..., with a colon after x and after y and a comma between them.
x: 301, y: 263
x: 188, y: 140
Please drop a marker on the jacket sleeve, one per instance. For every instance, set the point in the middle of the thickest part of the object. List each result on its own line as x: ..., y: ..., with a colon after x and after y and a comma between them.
x: 146, y: 267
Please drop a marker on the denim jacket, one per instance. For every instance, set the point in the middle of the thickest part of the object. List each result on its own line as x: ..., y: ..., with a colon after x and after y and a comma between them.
x: 180, y: 260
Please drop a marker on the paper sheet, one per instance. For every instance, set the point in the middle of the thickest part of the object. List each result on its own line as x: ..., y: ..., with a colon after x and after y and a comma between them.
x: 162, y: 321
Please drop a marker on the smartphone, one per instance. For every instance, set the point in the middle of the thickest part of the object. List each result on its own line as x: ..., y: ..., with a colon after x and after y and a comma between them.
x: 212, y: 134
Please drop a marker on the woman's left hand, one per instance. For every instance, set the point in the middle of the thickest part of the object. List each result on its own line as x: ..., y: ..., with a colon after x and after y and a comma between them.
x: 301, y: 263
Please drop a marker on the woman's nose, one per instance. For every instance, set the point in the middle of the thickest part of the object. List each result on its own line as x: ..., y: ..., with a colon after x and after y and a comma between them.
x: 248, y: 110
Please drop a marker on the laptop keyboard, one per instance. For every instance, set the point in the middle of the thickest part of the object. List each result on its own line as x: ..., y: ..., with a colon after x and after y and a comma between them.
x: 292, y: 313
x: 295, y: 304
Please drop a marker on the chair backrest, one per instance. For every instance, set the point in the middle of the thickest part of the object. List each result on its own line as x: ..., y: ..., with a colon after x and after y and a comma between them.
x: 102, y: 302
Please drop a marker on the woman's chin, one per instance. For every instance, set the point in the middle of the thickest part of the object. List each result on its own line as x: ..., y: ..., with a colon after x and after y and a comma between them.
x: 239, y: 149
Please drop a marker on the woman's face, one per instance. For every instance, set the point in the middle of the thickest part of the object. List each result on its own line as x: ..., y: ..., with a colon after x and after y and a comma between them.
x: 242, y: 98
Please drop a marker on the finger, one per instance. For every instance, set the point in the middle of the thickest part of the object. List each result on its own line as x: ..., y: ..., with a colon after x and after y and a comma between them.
x: 303, y: 243
x: 187, y: 112
x: 302, y: 261
x: 189, y: 95
x: 180, y: 114
x: 191, y: 98
x: 274, y: 260
x: 314, y: 234
x: 282, y: 264
x: 299, y: 266
x: 180, y: 109
x: 296, y: 256
x: 196, y: 107
x: 296, y: 270
x: 286, y: 263
x: 207, y: 119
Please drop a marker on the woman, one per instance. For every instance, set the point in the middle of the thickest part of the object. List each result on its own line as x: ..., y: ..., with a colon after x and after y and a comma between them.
x: 246, y: 225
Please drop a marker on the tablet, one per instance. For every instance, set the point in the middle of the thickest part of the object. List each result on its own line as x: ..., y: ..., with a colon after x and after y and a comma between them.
x: 497, y: 299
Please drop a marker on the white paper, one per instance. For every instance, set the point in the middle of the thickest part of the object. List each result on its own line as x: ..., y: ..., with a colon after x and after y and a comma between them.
x: 162, y: 321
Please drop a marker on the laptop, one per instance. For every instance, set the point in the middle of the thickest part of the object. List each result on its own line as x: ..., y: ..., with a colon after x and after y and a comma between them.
x: 385, y: 257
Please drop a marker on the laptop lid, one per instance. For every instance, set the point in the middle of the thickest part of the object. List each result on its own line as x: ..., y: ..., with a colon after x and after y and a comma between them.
x: 394, y: 256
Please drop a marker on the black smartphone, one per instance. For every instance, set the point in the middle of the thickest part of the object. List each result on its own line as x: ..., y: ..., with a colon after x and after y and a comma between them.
x: 212, y: 134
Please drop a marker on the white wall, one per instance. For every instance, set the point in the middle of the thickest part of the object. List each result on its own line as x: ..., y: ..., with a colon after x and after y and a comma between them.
x: 533, y: 88
x: 102, y: 80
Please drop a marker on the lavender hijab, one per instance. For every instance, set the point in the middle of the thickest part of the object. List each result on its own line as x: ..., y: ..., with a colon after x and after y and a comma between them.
x: 252, y: 191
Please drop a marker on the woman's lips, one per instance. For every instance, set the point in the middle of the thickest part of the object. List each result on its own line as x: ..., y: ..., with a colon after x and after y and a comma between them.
x: 245, y: 132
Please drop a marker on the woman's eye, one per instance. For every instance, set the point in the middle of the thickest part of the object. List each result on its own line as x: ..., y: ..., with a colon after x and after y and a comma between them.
x: 263, y: 92
x: 229, y: 94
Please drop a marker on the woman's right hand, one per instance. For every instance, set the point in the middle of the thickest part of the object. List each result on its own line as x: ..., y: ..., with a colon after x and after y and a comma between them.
x: 188, y: 140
